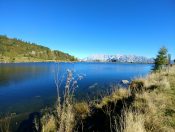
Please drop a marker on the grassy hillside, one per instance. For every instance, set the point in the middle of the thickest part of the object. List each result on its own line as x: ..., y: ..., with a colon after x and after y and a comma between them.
x: 15, y: 50
x: 146, y: 106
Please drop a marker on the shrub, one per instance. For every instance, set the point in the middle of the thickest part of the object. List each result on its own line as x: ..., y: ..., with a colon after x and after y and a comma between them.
x: 81, y: 109
x: 136, y: 86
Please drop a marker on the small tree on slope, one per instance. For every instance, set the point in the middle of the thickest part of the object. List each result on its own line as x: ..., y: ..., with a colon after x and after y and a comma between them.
x: 161, y: 59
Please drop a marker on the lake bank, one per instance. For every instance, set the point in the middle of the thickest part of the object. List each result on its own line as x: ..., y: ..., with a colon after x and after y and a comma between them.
x: 148, y: 105
x: 30, y: 87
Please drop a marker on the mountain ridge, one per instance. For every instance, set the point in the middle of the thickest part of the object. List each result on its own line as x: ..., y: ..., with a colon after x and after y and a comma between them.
x: 118, y: 58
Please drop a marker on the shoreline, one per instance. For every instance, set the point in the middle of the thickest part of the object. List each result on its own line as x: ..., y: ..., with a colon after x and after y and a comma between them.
x: 143, y: 107
x: 137, y: 105
x: 73, y: 62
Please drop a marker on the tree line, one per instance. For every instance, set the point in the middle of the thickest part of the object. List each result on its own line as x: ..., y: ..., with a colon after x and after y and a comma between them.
x: 13, y: 48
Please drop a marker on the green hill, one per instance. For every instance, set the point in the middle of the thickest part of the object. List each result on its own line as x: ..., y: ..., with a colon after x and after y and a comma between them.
x: 15, y: 50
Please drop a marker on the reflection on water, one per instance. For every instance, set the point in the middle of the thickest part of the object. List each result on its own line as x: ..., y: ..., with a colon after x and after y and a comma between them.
x: 28, y: 87
x: 16, y: 73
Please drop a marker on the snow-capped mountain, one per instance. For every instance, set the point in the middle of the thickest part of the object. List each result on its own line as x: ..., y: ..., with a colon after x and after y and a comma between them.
x: 118, y: 58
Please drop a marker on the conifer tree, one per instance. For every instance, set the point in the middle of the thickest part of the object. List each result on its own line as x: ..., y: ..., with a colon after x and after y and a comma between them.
x: 161, y: 59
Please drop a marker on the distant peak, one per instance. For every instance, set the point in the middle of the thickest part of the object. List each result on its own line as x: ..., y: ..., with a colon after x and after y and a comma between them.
x: 118, y: 58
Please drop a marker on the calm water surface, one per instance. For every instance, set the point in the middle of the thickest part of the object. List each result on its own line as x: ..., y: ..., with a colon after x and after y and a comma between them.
x: 28, y: 87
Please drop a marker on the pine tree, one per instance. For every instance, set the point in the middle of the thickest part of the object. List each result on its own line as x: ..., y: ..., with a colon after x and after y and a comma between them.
x: 161, y: 59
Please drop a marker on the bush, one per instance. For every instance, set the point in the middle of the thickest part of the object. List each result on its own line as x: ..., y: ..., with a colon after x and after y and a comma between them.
x: 81, y: 109
x: 137, y: 86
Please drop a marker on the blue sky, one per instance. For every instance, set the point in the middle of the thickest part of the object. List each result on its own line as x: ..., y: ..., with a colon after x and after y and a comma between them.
x: 85, y: 27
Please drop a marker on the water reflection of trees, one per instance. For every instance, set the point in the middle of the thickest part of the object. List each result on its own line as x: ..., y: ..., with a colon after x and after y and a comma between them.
x: 15, y: 73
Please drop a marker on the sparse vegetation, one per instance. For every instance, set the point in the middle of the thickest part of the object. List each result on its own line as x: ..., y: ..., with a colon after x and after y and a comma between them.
x: 147, y: 106
x: 5, y: 123
x: 62, y: 118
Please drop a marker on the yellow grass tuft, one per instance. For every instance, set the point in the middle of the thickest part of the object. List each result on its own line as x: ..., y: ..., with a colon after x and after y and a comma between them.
x: 48, y: 123
x: 131, y: 122
x: 116, y: 95
x: 82, y: 109
x: 5, y: 124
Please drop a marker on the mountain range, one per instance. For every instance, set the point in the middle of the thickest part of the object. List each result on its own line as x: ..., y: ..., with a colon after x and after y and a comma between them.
x: 118, y: 58
x: 15, y: 50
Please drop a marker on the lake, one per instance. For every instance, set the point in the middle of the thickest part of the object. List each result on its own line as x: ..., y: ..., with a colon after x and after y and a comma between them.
x: 29, y: 87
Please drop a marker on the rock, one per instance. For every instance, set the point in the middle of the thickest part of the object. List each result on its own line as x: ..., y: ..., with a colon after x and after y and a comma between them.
x: 93, y: 86
x: 125, y: 81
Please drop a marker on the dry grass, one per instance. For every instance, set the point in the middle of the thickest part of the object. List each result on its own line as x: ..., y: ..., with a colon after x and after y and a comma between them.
x: 48, y: 123
x: 150, y: 106
x: 152, y: 109
x: 117, y: 94
x: 63, y: 119
x: 131, y: 122
x: 82, y: 110
x: 157, y: 79
x: 5, y: 124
